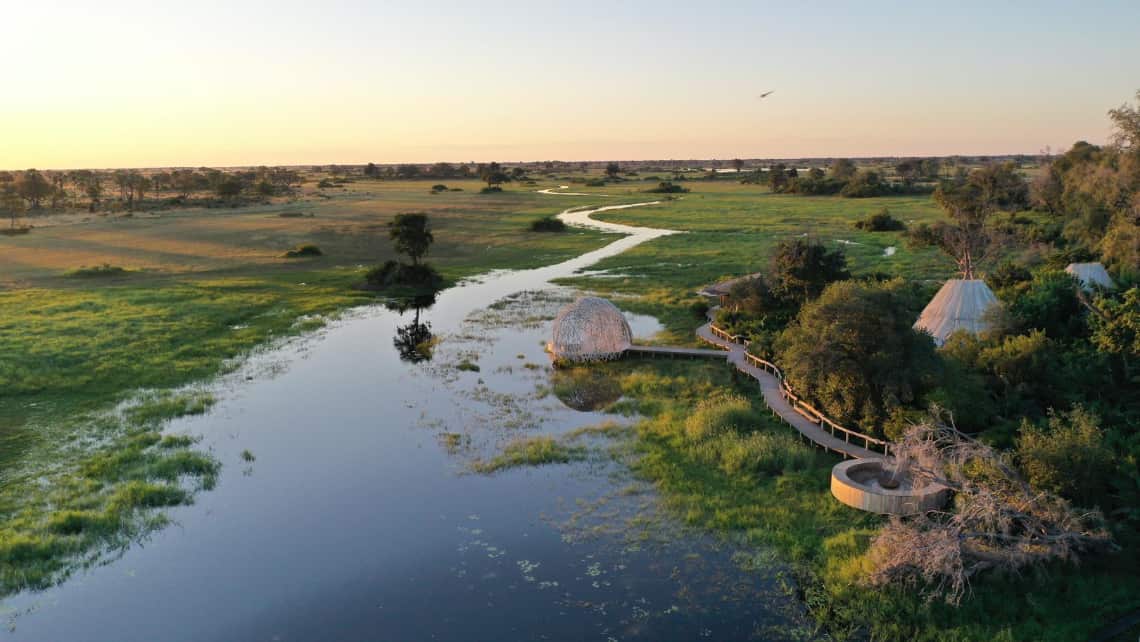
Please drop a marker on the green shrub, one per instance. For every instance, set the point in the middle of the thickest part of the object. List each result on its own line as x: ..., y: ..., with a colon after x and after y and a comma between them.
x: 667, y: 187
x: 881, y: 221
x: 1067, y: 456
x: 492, y: 189
x: 394, y: 273
x: 1008, y: 274
x: 97, y: 271
x: 548, y: 224
x: 302, y: 251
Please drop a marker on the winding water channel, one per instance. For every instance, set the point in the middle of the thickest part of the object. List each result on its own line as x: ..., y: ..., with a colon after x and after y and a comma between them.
x: 359, y: 519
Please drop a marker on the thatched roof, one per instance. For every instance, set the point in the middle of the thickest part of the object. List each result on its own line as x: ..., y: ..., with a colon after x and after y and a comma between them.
x: 959, y: 305
x: 1091, y: 274
x: 590, y: 329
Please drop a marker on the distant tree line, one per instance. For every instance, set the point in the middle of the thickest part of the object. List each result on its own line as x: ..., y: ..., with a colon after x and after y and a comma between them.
x: 129, y: 189
x: 844, y: 178
x: 492, y: 173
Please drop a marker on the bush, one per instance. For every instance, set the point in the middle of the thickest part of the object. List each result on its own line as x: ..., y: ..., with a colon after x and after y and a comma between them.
x: 394, y: 273
x: 1068, y: 456
x: 865, y: 184
x: 595, y: 182
x: 494, y: 189
x: 700, y: 309
x: 881, y: 221
x: 302, y: 251
x: 667, y: 187
x: 325, y: 184
x: 97, y: 271
x: 439, y: 187
x: 548, y: 224
x: 854, y: 353
x: 1008, y: 274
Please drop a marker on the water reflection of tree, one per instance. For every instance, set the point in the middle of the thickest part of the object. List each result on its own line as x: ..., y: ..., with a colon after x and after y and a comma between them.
x: 585, y: 390
x: 413, y: 341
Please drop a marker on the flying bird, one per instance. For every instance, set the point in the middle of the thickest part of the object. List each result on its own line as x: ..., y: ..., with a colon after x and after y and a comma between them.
x: 765, y: 95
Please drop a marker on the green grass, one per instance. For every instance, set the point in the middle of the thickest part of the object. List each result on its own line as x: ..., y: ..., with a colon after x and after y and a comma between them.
x: 530, y: 451
x: 100, y: 497
x: 723, y: 464
x: 732, y: 229
x: 78, y: 477
x: 467, y: 365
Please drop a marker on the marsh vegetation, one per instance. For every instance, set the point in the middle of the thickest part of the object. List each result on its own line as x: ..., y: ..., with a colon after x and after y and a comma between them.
x: 94, y: 465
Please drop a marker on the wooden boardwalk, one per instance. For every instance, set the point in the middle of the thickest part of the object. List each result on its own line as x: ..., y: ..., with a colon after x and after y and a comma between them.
x: 809, y: 422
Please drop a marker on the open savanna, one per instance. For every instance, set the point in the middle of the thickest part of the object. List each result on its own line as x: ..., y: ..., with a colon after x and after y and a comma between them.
x: 731, y: 229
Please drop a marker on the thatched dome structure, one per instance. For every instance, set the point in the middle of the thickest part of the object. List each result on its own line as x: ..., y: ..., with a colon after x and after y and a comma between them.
x: 1090, y: 275
x: 590, y: 329
x: 961, y: 304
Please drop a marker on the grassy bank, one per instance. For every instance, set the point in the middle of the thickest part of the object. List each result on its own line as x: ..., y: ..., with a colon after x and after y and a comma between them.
x: 731, y: 230
x: 205, y: 286
x: 200, y: 289
x: 729, y: 467
x: 91, y: 498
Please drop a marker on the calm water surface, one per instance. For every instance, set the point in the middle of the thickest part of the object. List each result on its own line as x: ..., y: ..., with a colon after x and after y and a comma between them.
x: 357, y: 521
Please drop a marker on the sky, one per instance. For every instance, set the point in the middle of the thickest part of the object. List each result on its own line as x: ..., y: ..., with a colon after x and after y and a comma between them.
x: 125, y: 83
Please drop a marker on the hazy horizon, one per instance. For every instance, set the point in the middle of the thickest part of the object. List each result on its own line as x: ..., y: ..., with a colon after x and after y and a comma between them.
x: 130, y: 84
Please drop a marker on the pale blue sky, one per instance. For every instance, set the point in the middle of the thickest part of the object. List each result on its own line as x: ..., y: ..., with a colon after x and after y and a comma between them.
x: 143, y: 83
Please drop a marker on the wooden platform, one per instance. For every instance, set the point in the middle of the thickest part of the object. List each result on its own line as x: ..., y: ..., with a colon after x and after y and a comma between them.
x: 771, y: 388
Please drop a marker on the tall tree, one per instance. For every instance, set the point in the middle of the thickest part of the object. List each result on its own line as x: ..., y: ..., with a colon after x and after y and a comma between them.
x: 33, y: 187
x: 411, y: 235
x: 493, y: 174
x: 965, y: 238
x: 613, y: 169
x: 1001, y: 187
x: 854, y: 352
x: 1126, y: 125
x: 842, y: 169
x: 11, y: 203
x: 777, y: 178
x: 801, y: 269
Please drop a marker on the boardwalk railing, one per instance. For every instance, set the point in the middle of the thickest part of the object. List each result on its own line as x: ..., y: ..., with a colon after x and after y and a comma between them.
x: 802, y: 407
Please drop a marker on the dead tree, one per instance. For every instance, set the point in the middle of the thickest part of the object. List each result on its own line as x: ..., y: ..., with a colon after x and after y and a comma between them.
x: 997, y: 521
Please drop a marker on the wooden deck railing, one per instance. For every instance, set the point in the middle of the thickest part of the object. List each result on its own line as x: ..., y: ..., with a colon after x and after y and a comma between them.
x: 802, y: 407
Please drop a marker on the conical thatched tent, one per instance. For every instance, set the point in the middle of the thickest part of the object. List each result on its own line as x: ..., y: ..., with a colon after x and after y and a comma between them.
x: 960, y: 305
x: 1091, y: 274
x: 590, y: 329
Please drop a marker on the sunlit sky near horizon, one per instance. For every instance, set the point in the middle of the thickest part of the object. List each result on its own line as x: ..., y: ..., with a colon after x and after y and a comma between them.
x: 130, y: 83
